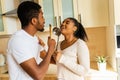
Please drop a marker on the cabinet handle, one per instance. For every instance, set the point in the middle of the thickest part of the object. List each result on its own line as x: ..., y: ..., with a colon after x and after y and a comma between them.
x: 55, y: 19
x: 59, y: 20
x: 79, y: 18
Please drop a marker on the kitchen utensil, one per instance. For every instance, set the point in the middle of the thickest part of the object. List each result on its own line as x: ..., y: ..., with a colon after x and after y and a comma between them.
x: 57, y: 32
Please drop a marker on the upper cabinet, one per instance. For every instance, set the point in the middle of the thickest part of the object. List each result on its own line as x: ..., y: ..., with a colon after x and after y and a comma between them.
x: 55, y: 11
x: 114, y: 7
x: 93, y: 13
x: 66, y: 8
x: 1, y: 19
x: 10, y: 24
x: 117, y: 11
x: 48, y: 11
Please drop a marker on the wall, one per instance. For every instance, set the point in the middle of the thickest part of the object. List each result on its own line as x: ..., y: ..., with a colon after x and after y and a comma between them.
x: 3, y: 43
x: 111, y: 40
x: 96, y: 43
x: 111, y: 46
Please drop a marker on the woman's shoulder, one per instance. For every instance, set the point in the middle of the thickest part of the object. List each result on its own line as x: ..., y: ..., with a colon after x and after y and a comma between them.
x: 81, y: 42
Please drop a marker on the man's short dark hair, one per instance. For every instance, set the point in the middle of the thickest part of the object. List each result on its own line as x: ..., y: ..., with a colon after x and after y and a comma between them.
x: 26, y: 11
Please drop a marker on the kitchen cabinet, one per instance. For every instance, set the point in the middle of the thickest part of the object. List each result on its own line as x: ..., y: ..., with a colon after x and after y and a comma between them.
x: 117, y: 11
x: 55, y: 11
x: 93, y: 13
x: 114, y: 6
x: 48, y: 11
x: 118, y: 66
x: 99, y: 75
x: 114, y: 18
x: 94, y: 74
x: 10, y: 23
x: 1, y: 19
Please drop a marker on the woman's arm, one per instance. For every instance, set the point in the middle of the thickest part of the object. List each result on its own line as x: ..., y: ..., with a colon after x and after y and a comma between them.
x: 83, y: 65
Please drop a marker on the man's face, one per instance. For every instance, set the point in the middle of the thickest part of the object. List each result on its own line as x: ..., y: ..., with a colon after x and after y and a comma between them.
x: 41, y: 22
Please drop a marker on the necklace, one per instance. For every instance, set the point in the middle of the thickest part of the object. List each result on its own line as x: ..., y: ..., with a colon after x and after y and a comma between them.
x: 64, y: 44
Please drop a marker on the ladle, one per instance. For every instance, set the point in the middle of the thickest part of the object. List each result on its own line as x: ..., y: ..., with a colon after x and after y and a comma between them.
x: 57, y: 32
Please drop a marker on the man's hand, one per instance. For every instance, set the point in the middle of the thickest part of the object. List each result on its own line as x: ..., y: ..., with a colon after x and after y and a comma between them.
x: 41, y: 42
x: 51, y: 45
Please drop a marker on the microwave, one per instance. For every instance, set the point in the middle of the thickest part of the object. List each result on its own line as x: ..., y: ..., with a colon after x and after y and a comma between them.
x: 118, y: 41
x: 118, y: 35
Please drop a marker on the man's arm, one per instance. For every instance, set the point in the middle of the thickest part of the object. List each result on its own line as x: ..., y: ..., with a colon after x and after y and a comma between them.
x: 43, y: 54
x: 37, y: 72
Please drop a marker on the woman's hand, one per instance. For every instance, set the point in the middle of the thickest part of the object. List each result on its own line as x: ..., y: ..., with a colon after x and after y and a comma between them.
x: 57, y: 55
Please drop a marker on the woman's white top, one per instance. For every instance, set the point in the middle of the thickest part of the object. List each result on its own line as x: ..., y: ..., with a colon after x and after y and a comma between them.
x: 74, y: 63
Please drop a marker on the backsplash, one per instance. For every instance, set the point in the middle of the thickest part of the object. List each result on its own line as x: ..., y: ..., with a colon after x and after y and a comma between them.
x: 3, y: 44
x: 96, y: 42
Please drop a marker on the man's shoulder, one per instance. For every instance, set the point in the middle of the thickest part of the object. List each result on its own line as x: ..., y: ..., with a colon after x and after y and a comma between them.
x: 17, y: 37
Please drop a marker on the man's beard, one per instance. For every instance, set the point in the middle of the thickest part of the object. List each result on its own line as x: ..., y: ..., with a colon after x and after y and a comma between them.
x: 41, y: 30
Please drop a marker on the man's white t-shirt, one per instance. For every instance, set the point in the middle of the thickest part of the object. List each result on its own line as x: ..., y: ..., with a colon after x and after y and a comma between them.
x: 22, y: 47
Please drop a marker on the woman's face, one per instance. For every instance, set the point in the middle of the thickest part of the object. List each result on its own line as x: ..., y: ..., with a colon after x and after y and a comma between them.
x: 67, y: 27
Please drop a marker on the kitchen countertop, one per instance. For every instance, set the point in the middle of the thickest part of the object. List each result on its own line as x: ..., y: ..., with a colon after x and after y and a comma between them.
x: 3, y: 71
x: 93, y: 65
x: 4, y: 74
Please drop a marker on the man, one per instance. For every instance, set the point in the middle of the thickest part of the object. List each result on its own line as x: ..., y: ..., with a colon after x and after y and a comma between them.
x: 24, y: 62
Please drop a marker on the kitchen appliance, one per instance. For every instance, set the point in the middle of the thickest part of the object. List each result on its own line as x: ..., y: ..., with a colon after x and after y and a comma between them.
x: 118, y: 35
x: 118, y: 49
x: 118, y: 41
x: 14, y: 12
x: 118, y: 67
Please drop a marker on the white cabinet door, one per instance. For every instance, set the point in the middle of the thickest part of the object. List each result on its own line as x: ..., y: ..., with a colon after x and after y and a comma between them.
x: 1, y: 19
x: 118, y: 67
x: 66, y: 8
x: 93, y: 13
x: 55, y: 11
x: 48, y: 11
x: 101, y: 75
x: 117, y: 11
x: 10, y: 24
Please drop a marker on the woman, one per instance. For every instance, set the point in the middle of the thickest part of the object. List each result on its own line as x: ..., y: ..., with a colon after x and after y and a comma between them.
x: 72, y: 57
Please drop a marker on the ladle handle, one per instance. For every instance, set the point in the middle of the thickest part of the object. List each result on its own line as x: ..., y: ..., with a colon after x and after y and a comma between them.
x: 59, y: 20
x: 55, y: 21
x: 57, y: 44
x: 79, y: 18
